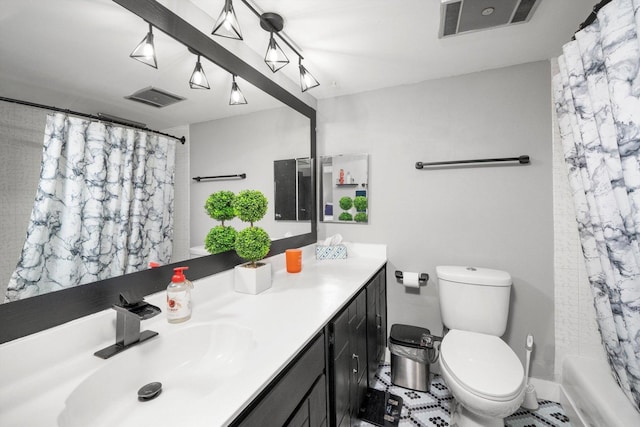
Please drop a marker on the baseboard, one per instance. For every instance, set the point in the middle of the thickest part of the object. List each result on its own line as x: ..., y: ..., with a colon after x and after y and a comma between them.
x: 546, y: 390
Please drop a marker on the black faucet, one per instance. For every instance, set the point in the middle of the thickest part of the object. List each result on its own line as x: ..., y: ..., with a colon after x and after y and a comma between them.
x: 130, y: 311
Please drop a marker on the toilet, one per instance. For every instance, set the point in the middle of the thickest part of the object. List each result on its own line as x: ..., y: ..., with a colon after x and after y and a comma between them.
x: 483, y: 373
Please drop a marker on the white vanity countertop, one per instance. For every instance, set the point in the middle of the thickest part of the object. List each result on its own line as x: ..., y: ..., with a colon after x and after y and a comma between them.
x: 38, y: 373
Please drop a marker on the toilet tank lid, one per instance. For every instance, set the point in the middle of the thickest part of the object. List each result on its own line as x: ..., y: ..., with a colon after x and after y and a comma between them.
x: 473, y: 275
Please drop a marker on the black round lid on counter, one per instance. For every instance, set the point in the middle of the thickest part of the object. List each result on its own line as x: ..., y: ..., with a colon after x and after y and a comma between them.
x: 407, y: 335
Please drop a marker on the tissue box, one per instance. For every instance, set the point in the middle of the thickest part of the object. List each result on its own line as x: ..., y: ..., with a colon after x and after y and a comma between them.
x: 331, y: 252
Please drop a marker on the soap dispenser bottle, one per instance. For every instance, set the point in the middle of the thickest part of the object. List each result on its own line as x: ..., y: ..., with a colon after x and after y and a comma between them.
x: 179, y: 297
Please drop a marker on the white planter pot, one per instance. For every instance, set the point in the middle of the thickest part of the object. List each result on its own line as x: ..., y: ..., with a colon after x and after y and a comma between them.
x: 252, y: 280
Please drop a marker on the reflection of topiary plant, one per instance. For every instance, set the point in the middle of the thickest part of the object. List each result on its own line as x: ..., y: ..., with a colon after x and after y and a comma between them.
x: 219, y: 205
x: 360, y: 217
x: 360, y: 202
x: 252, y: 243
x: 346, y: 203
x: 220, y: 238
x: 345, y: 216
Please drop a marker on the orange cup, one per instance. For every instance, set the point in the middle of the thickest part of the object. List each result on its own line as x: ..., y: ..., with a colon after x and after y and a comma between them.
x: 294, y: 260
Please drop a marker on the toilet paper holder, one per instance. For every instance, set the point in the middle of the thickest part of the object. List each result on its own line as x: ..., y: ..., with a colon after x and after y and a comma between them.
x: 422, y: 277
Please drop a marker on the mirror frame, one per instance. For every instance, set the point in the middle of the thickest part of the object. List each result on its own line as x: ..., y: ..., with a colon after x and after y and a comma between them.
x: 31, y: 315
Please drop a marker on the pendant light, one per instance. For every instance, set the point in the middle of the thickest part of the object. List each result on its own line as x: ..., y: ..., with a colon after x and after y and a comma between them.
x: 307, y: 81
x: 198, y: 79
x: 145, y: 52
x: 275, y: 57
x: 236, y: 98
x: 227, y: 24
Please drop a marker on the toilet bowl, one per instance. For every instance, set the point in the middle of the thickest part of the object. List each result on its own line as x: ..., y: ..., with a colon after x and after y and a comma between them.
x: 485, y: 377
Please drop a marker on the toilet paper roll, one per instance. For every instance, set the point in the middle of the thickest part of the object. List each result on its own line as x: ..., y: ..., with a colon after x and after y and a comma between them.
x: 410, y: 279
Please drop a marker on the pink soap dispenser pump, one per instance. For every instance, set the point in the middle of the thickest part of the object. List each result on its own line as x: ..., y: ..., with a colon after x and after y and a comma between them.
x: 179, y: 297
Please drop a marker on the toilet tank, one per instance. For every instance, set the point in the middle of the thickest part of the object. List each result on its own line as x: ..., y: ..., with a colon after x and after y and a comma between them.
x: 474, y: 299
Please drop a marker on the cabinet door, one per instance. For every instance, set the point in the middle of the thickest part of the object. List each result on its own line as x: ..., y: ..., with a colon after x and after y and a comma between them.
x: 358, y: 345
x: 312, y: 412
x: 373, y: 326
x: 340, y: 370
x: 376, y: 323
x: 381, y: 314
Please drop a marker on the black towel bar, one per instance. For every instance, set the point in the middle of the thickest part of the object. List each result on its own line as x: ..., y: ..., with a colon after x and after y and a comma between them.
x: 236, y: 176
x: 523, y: 160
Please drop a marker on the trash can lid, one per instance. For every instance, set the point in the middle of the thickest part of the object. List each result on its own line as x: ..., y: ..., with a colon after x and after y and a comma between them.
x: 407, y: 335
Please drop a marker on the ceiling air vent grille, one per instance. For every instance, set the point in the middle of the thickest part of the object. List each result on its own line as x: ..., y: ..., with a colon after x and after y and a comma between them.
x: 523, y: 12
x: 155, y: 97
x: 462, y: 16
x: 451, y: 18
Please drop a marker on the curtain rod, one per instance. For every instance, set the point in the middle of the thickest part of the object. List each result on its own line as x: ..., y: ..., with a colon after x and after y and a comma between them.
x: 182, y: 139
x: 593, y: 15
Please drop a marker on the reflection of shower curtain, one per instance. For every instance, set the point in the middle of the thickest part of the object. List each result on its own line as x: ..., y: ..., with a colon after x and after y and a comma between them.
x: 597, y: 98
x: 103, y: 208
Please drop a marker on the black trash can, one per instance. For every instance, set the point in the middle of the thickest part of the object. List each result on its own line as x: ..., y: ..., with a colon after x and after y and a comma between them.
x: 409, y: 359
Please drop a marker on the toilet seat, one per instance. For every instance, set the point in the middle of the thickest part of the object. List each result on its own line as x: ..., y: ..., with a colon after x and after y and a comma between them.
x: 482, y: 364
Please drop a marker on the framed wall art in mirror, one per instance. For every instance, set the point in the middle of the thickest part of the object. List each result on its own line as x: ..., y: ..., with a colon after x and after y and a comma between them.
x: 292, y: 189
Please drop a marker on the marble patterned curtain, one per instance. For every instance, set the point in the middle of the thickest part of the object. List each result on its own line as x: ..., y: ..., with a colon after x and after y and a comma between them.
x: 597, y: 102
x: 103, y: 208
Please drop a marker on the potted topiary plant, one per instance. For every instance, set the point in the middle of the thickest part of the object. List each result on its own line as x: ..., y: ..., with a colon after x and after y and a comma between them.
x: 346, y: 203
x: 252, y: 243
x: 220, y: 238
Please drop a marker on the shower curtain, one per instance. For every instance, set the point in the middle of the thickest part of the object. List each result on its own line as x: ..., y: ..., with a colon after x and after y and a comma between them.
x: 597, y: 102
x: 103, y: 207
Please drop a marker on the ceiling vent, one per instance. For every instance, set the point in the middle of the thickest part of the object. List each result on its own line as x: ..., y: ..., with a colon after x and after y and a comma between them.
x: 155, y: 97
x: 462, y: 16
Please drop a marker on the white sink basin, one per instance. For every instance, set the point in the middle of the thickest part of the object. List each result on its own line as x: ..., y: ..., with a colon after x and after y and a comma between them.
x: 188, y: 362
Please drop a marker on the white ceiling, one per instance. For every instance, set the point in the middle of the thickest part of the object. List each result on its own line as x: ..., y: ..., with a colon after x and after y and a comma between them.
x: 353, y: 46
x: 74, y: 53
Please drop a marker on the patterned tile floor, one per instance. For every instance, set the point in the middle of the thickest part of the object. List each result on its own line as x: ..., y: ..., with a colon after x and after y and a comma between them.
x: 432, y: 408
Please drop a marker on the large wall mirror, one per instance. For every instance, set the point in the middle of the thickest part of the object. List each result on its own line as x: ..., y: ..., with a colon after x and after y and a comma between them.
x: 46, y: 65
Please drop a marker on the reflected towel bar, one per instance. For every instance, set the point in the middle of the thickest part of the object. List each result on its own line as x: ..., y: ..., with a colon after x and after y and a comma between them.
x: 236, y: 176
x: 523, y: 160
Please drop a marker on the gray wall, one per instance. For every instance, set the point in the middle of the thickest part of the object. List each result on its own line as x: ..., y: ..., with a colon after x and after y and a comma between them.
x: 495, y: 217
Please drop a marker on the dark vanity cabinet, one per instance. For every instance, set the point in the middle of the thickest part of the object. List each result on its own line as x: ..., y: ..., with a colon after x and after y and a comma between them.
x: 357, y: 340
x: 326, y: 383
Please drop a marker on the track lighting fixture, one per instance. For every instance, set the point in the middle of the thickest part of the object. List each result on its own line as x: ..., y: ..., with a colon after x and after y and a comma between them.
x: 236, y: 98
x: 198, y: 79
x: 145, y: 52
x: 307, y: 81
x: 275, y: 57
x: 227, y: 24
